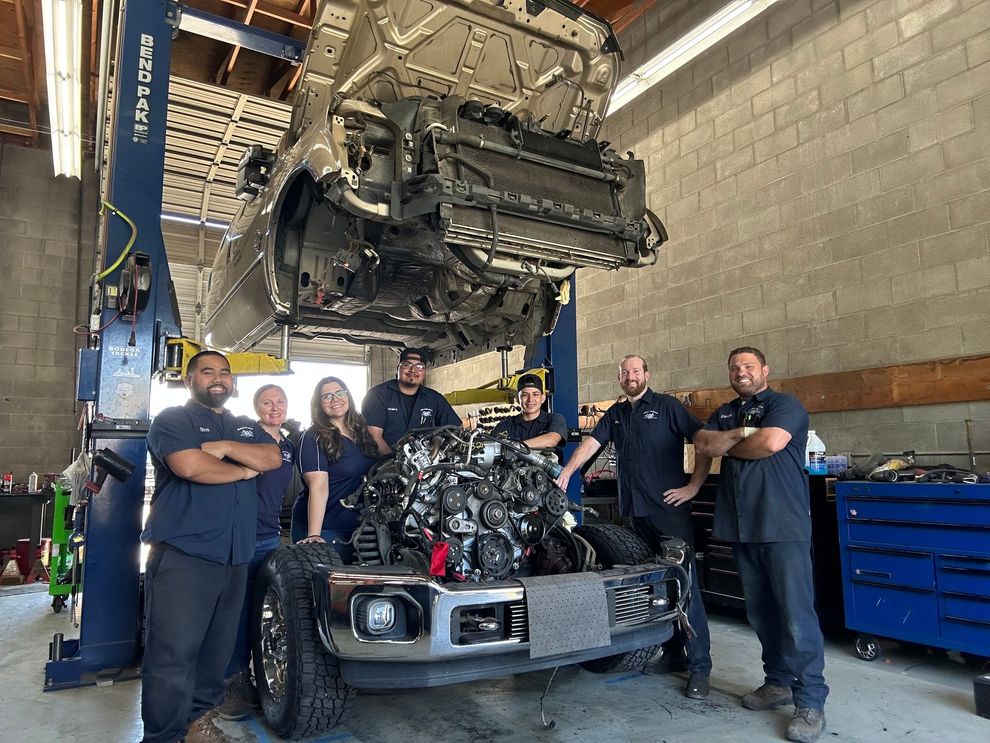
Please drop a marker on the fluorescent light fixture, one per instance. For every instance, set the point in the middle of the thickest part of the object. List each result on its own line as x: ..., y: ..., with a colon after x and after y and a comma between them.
x: 702, y: 37
x: 210, y: 224
x: 62, y: 20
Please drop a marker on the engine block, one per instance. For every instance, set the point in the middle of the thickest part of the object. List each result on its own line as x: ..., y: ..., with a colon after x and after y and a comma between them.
x: 459, y: 505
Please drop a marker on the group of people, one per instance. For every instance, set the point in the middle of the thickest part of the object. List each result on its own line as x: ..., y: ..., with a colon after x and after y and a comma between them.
x: 220, y: 481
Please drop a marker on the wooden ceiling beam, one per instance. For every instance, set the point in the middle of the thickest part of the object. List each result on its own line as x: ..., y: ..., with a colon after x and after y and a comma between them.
x: 227, y: 66
x: 25, y: 49
x: 273, y: 11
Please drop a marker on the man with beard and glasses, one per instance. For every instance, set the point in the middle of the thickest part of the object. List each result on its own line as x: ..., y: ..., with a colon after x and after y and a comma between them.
x: 649, y: 430
x: 201, y: 531
x: 762, y: 507
x: 395, y: 407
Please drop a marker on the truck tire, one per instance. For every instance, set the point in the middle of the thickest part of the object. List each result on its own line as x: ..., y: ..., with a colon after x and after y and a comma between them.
x: 617, y: 545
x: 299, y: 683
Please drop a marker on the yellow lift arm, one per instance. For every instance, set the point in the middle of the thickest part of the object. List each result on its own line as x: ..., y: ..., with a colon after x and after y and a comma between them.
x: 178, y: 351
x: 501, y: 390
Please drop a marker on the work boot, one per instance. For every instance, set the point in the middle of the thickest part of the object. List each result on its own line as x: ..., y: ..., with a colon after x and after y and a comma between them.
x: 767, y: 696
x: 665, y: 662
x: 239, y: 698
x: 806, y: 725
x: 698, y: 686
x: 205, y: 730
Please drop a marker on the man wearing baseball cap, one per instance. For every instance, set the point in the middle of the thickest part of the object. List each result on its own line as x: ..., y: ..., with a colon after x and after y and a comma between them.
x: 395, y: 407
x: 534, y: 426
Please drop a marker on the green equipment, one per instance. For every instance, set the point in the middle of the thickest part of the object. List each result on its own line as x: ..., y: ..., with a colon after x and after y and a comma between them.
x: 60, y: 583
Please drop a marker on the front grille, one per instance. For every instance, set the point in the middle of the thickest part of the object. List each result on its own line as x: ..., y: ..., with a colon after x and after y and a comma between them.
x: 632, y: 604
x: 629, y: 605
x: 518, y: 621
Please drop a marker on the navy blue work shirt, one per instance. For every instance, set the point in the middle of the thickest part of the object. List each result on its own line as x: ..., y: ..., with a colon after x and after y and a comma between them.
x: 763, y: 500
x: 649, y: 446
x: 345, y: 476
x: 213, y: 522
x: 384, y: 406
x: 518, y: 429
x: 271, y: 492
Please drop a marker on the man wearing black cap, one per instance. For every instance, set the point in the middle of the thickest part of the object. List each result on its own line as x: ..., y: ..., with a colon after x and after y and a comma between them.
x: 399, y: 405
x: 534, y: 426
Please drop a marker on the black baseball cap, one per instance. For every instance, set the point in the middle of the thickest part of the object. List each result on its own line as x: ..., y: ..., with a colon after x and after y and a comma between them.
x: 419, y: 354
x: 530, y: 380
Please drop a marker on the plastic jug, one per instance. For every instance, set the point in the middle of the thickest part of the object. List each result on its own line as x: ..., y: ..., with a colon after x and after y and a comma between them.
x: 814, y: 455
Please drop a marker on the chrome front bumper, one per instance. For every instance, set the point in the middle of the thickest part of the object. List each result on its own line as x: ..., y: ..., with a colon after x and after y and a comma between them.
x: 640, y: 600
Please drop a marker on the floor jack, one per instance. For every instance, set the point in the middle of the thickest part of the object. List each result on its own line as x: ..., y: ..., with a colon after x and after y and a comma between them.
x: 61, y: 567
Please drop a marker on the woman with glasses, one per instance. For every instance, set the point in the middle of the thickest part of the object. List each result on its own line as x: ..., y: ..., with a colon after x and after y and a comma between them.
x: 334, y: 455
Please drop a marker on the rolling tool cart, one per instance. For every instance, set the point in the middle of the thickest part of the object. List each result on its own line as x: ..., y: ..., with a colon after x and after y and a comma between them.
x: 916, y: 564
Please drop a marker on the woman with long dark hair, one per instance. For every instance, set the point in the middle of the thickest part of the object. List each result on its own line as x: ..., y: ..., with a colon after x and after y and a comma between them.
x: 334, y: 455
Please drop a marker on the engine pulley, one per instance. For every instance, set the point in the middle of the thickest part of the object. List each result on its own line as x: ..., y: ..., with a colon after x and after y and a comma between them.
x: 531, y: 529
x: 455, y: 550
x: 494, y: 555
x: 529, y: 496
x: 454, y: 499
x: 484, y: 489
x: 494, y: 514
x: 556, y: 502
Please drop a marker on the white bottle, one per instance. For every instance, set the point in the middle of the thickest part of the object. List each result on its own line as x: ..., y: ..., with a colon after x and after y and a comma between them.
x: 814, y: 455
x: 33, y: 483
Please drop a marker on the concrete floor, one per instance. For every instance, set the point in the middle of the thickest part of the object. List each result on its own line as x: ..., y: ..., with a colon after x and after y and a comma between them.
x: 910, y: 695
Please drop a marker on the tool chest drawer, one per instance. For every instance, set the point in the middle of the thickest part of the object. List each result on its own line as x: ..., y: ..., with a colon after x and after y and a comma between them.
x: 892, y: 567
x: 963, y: 574
x: 916, y: 562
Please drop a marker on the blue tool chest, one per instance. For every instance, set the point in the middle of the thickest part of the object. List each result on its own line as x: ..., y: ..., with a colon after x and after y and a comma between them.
x: 916, y: 562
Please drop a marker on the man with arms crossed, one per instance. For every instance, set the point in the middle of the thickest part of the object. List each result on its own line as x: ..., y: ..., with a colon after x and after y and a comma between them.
x: 201, y: 530
x: 762, y: 508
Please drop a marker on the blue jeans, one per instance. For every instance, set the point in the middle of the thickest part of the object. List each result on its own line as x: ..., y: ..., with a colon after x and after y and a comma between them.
x: 780, y: 605
x: 240, y: 661
x: 339, y: 539
x: 698, y: 649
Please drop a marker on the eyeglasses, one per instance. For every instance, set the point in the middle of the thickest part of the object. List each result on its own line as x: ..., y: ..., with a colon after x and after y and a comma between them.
x: 410, y: 365
x: 338, y: 395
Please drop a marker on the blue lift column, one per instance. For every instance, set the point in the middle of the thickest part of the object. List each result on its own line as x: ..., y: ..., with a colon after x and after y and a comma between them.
x: 129, y: 351
x: 558, y: 352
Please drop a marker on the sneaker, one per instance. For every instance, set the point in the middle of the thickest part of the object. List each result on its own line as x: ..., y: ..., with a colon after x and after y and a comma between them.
x: 698, y: 686
x: 806, y: 725
x: 664, y: 662
x: 767, y: 696
x: 205, y: 730
x: 239, y: 698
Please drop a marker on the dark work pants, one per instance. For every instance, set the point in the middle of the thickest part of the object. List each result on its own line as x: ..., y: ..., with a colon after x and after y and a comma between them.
x: 191, y: 611
x: 240, y: 661
x: 653, y: 530
x: 780, y: 605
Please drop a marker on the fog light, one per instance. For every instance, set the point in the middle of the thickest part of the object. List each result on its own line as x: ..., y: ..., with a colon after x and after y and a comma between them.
x: 381, y: 615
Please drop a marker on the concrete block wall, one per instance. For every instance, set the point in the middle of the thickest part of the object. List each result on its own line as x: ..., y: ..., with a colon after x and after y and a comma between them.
x: 827, y: 195
x: 824, y: 177
x: 46, y: 249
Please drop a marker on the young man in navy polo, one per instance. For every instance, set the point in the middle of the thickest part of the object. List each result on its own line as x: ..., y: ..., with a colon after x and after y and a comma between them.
x: 649, y: 430
x: 762, y: 507
x: 395, y: 407
x: 534, y: 426
x: 201, y: 530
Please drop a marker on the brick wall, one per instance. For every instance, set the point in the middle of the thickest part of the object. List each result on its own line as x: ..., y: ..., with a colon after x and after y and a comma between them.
x: 45, y: 265
x: 824, y: 177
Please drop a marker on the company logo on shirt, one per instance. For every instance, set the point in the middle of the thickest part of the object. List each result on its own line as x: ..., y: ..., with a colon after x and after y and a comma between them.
x: 650, y: 415
x: 245, y: 432
x: 425, y: 414
x: 286, y: 456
